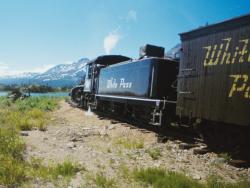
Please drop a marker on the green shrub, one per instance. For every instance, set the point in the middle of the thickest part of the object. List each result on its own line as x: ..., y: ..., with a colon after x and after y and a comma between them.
x: 24, y: 124
x: 12, y: 168
x: 28, y: 113
x: 36, y: 113
x: 12, y: 171
x: 4, y: 101
x: 23, y: 115
x: 42, y: 125
x: 42, y: 103
x: 11, y: 144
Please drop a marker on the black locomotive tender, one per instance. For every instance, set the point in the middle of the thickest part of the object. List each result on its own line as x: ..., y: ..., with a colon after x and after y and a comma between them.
x: 140, y: 88
x: 211, y: 82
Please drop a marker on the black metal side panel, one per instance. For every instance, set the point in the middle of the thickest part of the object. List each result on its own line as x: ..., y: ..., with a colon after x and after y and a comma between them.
x: 214, y: 74
x: 127, y: 79
x: 166, y: 76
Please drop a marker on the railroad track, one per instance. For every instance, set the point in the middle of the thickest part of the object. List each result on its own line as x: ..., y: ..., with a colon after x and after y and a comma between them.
x: 183, y: 133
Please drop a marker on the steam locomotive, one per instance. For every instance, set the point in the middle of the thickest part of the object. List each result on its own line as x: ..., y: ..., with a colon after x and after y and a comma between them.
x: 137, y: 88
x: 209, y: 83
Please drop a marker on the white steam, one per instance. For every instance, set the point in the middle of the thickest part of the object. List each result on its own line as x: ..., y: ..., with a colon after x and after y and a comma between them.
x: 110, y: 41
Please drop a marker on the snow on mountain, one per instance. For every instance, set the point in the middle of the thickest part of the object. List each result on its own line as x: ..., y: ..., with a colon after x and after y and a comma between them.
x: 64, y: 71
x: 60, y: 75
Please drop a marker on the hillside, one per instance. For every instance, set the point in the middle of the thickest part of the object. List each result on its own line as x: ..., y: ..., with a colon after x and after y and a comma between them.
x: 58, y: 76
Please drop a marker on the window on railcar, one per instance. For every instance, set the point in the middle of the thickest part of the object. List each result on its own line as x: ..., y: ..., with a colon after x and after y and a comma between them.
x: 89, y: 71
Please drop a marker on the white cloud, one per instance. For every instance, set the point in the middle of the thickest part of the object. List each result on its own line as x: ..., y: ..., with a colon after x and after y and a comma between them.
x: 5, y: 70
x: 131, y: 16
x: 110, y: 41
x: 3, y: 67
x: 41, y: 69
x: 68, y: 62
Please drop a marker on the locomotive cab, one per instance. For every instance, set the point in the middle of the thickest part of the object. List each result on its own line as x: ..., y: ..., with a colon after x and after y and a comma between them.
x: 88, y: 77
x: 86, y: 92
x: 91, y: 79
x: 92, y: 70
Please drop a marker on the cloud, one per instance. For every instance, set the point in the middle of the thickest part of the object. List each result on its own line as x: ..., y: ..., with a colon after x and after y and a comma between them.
x: 41, y: 69
x: 4, y: 73
x: 110, y: 41
x: 3, y: 66
x: 68, y: 62
x: 131, y: 16
x: 5, y: 70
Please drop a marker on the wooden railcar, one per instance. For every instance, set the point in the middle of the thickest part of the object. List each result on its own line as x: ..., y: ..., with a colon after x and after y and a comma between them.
x: 214, y: 74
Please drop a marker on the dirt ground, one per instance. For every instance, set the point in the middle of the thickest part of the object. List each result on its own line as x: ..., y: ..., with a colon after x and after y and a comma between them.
x: 104, y: 146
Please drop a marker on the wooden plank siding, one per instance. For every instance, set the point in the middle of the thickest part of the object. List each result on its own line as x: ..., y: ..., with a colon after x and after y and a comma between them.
x: 216, y: 90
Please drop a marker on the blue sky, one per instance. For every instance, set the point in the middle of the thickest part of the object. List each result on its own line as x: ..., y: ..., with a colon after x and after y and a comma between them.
x: 37, y: 34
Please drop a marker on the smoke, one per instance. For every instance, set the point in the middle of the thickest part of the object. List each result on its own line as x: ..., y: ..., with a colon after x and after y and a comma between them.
x: 110, y: 41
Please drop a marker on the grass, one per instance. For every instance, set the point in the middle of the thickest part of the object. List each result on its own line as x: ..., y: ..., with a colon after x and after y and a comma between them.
x: 125, y: 171
x: 158, y: 178
x: 10, y: 144
x: 102, y: 181
x: 154, y: 153
x: 66, y: 169
x: 129, y: 143
x: 225, y: 156
x: 33, y: 112
x: 12, y: 165
x: 12, y: 170
x: 41, y: 103
x: 215, y: 182
x: 25, y: 115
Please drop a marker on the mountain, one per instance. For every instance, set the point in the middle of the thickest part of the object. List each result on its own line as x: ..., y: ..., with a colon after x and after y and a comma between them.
x: 62, y: 75
x: 58, y: 76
